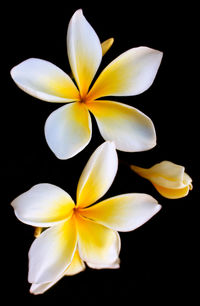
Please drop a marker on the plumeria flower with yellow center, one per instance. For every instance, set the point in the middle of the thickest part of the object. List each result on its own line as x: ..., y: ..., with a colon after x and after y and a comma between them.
x: 168, y: 178
x: 81, y: 232
x: 68, y: 129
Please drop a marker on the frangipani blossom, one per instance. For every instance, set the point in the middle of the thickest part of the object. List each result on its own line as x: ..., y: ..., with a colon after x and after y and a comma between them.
x: 82, y: 231
x: 68, y: 129
x: 168, y: 178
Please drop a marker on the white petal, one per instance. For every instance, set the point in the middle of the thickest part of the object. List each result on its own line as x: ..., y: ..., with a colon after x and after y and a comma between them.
x: 123, y: 213
x: 43, y: 205
x: 45, y: 81
x: 84, y: 51
x: 98, y: 174
x: 130, y: 129
x: 131, y: 73
x: 52, y: 252
x: 76, y: 266
x: 68, y: 130
x: 114, y: 265
x: 41, y: 288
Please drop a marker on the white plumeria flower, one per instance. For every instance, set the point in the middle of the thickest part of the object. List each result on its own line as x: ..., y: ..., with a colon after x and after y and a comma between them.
x: 169, y: 179
x: 81, y: 232
x: 68, y: 130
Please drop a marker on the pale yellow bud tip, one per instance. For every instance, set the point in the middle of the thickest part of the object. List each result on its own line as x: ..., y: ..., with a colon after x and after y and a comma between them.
x: 106, y: 45
x: 37, y: 232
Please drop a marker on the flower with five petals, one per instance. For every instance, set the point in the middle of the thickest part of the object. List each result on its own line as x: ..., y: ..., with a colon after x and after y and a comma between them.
x: 81, y: 232
x: 68, y: 129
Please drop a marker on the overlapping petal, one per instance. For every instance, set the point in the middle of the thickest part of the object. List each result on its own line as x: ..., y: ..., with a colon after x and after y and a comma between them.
x: 124, y: 212
x: 172, y: 193
x: 114, y: 265
x: 68, y: 130
x: 164, y: 173
x: 97, y: 244
x: 131, y: 73
x: 45, y: 81
x: 76, y: 266
x: 168, y: 178
x: 98, y: 174
x: 41, y: 288
x: 130, y: 129
x: 43, y: 205
x: 84, y: 51
x: 52, y: 252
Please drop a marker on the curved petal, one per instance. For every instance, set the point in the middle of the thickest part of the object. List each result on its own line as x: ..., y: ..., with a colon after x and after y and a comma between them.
x: 123, y: 213
x: 97, y: 244
x: 172, y: 193
x: 84, y: 51
x: 106, y: 45
x: 187, y: 181
x: 52, y: 252
x: 165, y: 173
x: 68, y: 130
x: 41, y: 288
x: 131, y: 73
x: 114, y: 265
x: 98, y: 174
x: 45, y: 81
x: 76, y: 266
x: 130, y: 129
x: 43, y: 205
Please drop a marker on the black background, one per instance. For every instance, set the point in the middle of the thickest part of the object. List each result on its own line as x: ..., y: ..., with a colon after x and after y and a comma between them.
x: 158, y: 260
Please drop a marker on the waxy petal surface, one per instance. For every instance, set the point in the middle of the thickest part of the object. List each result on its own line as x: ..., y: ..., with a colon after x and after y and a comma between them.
x: 52, y: 252
x: 114, y: 265
x: 68, y: 130
x: 84, y: 51
x: 45, y: 81
x: 43, y: 205
x: 97, y: 244
x: 131, y: 73
x: 98, y: 174
x: 76, y: 266
x: 130, y: 129
x: 172, y: 193
x: 124, y: 212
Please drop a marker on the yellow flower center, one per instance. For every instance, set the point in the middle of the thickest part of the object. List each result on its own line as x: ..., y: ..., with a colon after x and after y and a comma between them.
x: 84, y: 98
x: 76, y: 211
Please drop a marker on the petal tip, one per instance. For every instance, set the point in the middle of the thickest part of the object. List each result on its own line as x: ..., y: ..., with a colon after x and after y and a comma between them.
x: 158, y: 207
x: 111, y: 143
x: 77, y: 13
x: 12, y: 72
x: 31, y: 290
x: 80, y: 11
x: 12, y: 203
